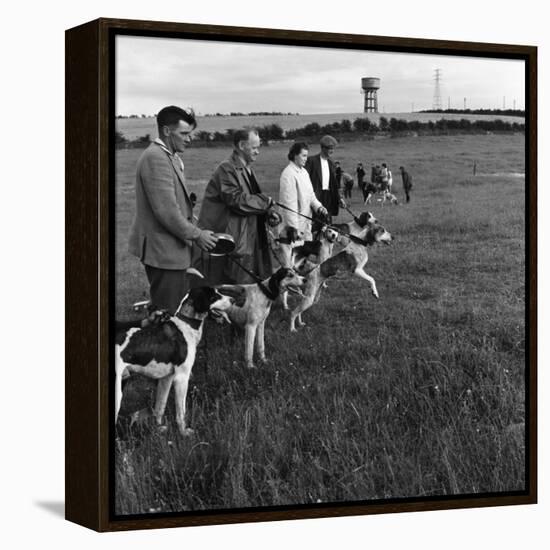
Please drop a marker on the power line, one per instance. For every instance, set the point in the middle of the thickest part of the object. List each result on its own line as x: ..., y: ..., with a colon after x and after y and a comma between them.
x: 437, y: 90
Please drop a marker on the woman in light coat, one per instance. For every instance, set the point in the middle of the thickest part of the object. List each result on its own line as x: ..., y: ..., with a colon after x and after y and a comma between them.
x: 296, y: 192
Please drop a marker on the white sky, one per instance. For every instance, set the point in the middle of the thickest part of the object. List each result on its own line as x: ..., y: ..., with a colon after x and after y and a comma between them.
x: 222, y: 77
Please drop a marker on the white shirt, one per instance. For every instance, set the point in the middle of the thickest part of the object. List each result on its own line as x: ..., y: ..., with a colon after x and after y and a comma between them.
x: 159, y: 141
x: 325, y: 174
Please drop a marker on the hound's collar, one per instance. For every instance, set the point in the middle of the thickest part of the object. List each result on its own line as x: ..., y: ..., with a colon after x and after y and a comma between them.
x: 193, y: 322
x: 270, y: 291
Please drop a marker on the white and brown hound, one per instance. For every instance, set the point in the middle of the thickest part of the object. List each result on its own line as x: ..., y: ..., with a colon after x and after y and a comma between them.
x: 253, y: 305
x: 165, y: 350
x: 300, y: 251
x: 351, y: 259
x: 358, y: 225
x: 387, y: 195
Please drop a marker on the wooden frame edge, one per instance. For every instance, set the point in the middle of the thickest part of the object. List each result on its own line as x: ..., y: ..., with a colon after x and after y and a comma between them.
x: 87, y: 239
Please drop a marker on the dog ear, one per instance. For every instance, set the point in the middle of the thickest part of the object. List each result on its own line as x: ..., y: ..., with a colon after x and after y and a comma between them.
x: 202, y: 298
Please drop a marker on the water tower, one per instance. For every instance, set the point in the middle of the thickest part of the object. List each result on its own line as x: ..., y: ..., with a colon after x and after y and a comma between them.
x: 369, y: 87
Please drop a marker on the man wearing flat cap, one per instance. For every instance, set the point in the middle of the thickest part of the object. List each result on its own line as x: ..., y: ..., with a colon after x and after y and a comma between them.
x: 322, y: 173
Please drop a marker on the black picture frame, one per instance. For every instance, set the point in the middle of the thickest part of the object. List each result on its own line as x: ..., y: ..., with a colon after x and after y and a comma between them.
x: 90, y: 259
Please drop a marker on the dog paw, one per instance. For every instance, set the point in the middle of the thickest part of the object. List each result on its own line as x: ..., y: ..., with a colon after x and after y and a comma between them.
x: 187, y: 432
x: 250, y: 365
x: 301, y: 324
x: 375, y: 294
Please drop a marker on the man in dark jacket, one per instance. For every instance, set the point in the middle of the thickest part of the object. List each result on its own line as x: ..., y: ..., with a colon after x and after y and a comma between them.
x: 407, y: 182
x: 322, y: 173
x: 233, y: 203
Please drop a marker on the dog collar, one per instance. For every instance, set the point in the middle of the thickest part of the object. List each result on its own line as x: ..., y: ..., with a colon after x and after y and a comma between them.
x: 191, y: 321
x: 271, y: 293
x: 283, y: 240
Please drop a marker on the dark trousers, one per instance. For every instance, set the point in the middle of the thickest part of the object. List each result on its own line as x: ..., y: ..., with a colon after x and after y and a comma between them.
x: 167, y: 287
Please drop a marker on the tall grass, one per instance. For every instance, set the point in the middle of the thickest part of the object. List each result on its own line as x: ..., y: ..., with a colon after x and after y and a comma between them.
x: 419, y: 393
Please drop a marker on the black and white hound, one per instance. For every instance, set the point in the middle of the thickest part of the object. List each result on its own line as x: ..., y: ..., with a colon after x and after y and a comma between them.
x: 165, y: 350
x: 351, y: 259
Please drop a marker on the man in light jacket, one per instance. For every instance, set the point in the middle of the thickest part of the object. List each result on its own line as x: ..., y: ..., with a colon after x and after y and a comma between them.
x: 162, y: 231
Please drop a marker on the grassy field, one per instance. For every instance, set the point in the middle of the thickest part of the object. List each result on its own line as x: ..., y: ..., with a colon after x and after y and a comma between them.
x: 419, y: 393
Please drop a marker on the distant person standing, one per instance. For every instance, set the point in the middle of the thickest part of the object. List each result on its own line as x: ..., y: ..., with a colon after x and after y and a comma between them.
x: 360, y: 173
x: 390, y: 179
x: 234, y: 203
x: 322, y: 172
x: 338, y: 170
x: 373, y: 175
x: 384, y: 177
x: 407, y: 182
x: 347, y: 180
x: 162, y: 231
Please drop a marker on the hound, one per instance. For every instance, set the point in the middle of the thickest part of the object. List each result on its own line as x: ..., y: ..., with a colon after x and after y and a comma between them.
x: 388, y: 196
x: 320, y: 247
x: 253, y: 305
x: 351, y: 259
x: 165, y: 350
x: 369, y: 191
x: 288, y: 239
x: 357, y: 226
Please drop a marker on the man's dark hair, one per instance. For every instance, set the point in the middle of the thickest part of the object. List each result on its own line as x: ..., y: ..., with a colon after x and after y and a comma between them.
x: 243, y: 135
x: 296, y: 149
x: 170, y: 116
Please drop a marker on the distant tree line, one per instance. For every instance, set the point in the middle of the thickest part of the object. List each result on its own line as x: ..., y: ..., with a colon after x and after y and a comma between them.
x: 253, y: 113
x: 359, y: 127
x: 504, y: 112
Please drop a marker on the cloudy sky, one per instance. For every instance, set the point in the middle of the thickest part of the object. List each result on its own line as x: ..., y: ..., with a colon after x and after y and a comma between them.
x: 222, y: 77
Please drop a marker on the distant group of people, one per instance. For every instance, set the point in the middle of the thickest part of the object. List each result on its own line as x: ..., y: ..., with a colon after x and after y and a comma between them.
x: 381, y: 180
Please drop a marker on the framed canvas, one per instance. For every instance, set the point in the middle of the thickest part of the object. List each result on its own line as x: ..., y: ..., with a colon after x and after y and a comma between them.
x: 409, y: 384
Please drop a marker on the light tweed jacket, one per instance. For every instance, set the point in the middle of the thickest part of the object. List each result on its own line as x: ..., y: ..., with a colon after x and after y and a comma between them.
x: 162, y: 229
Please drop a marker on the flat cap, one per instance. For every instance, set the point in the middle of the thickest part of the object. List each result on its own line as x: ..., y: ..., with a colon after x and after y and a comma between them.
x: 328, y: 141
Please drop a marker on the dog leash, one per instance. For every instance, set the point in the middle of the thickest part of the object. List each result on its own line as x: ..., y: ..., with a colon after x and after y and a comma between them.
x: 353, y: 238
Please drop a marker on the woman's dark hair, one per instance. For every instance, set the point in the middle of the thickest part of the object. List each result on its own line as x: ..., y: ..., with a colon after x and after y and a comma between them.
x: 169, y: 116
x: 296, y: 149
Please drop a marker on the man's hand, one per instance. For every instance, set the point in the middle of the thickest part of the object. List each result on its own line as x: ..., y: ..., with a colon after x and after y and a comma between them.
x: 342, y: 203
x: 292, y: 234
x: 206, y: 240
x: 273, y: 218
x: 322, y: 214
